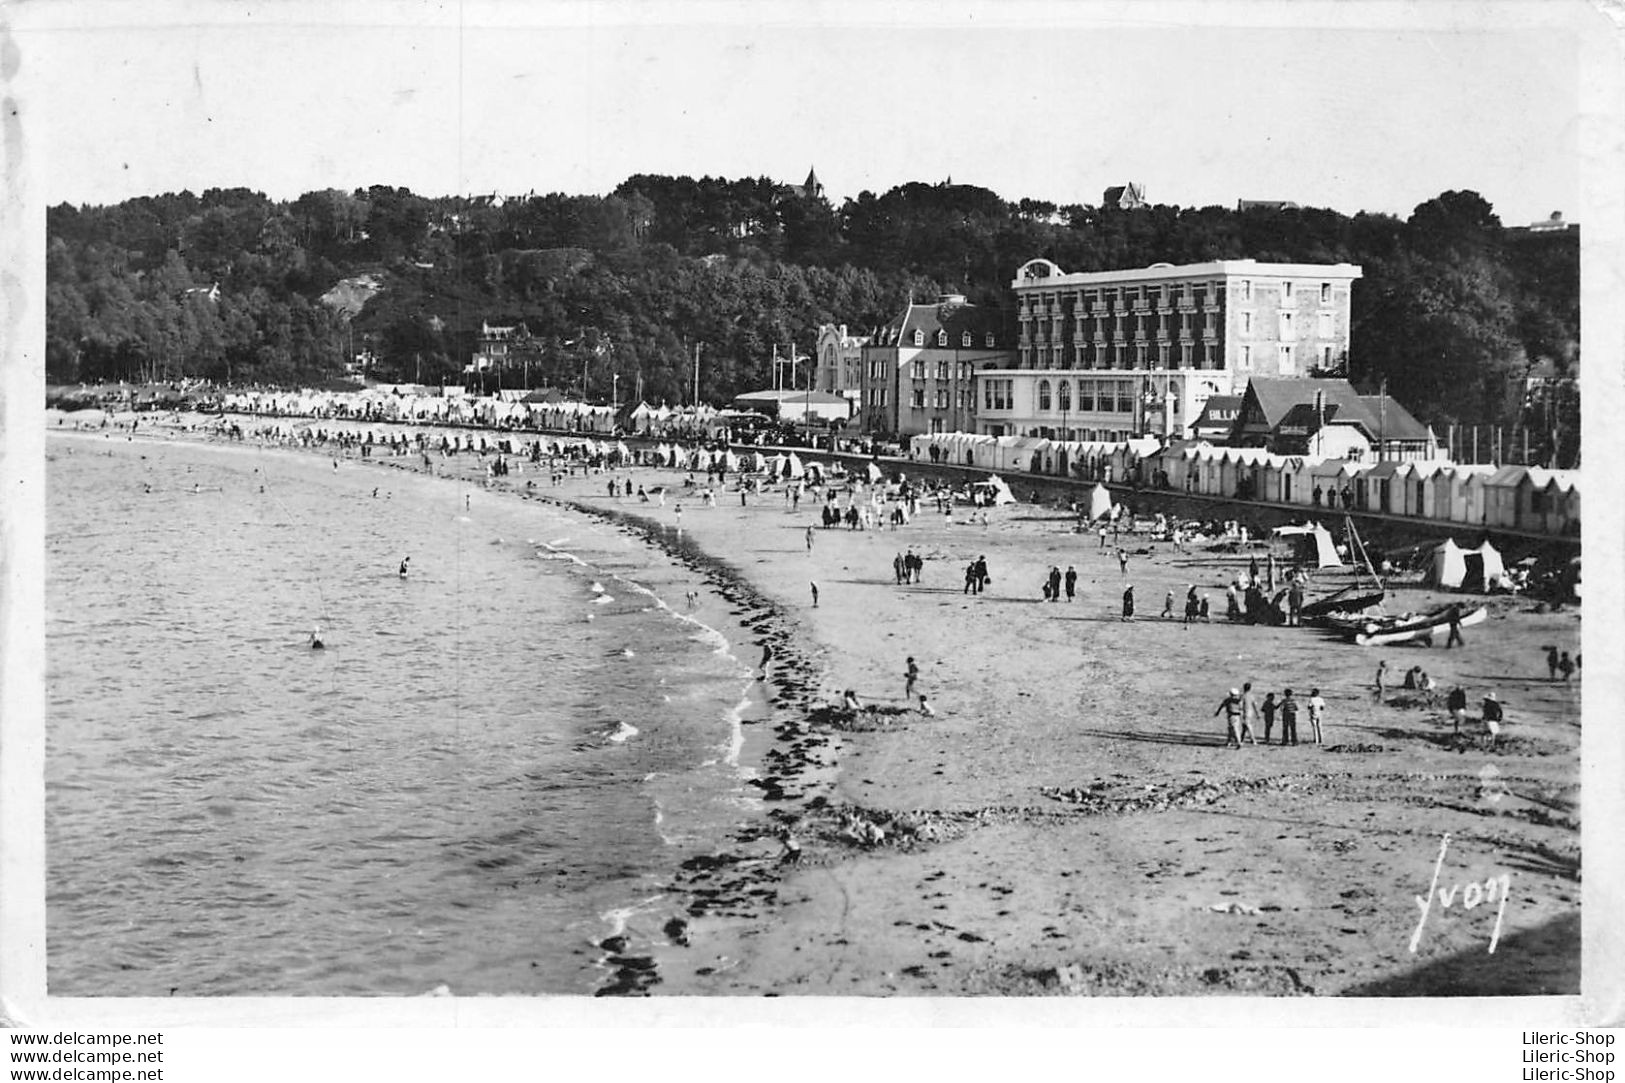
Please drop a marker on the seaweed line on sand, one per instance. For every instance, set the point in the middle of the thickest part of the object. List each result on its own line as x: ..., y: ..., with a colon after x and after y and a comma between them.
x: 741, y: 877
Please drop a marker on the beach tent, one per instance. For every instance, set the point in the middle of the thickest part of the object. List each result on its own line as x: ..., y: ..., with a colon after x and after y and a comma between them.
x: 1312, y: 544
x: 1001, y: 492
x: 1446, y: 566
x: 793, y: 467
x: 874, y: 473
x: 1100, y: 502
x: 1483, y: 568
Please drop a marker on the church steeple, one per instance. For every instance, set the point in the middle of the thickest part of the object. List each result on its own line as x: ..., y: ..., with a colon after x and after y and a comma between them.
x: 812, y: 189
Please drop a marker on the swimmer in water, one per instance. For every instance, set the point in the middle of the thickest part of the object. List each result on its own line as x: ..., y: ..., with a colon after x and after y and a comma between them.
x: 404, y: 562
x: 316, y: 643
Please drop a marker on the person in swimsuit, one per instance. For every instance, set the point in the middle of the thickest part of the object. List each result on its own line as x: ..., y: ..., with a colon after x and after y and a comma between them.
x: 404, y: 562
x: 316, y: 643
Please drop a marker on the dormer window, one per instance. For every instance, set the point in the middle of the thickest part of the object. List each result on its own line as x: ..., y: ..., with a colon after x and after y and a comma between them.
x: 919, y: 337
x: 964, y: 340
x: 942, y: 338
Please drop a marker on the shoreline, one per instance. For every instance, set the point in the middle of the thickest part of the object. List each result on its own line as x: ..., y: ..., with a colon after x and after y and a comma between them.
x: 1070, y: 822
x: 773, y: 751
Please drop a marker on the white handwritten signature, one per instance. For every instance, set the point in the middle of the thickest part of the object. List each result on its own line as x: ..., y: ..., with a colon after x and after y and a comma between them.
x: 1473, y: 894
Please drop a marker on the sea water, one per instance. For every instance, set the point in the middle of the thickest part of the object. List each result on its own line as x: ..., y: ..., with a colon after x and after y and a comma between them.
x: 494, y: 761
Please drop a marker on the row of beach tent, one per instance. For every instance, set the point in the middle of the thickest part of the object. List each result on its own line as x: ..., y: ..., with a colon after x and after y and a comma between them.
x: 1524, y: 498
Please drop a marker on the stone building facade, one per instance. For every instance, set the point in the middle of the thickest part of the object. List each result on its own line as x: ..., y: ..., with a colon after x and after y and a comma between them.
x: 1107, y: 355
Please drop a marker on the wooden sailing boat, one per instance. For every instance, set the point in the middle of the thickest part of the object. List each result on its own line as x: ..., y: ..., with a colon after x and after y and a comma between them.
x: 1355, y: 597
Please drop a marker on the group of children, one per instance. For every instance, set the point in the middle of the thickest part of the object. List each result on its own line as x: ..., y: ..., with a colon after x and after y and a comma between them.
x: 1241, y: 708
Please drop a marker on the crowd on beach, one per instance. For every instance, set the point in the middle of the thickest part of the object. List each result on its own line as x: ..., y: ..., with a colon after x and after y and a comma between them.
x: 1267, y: 590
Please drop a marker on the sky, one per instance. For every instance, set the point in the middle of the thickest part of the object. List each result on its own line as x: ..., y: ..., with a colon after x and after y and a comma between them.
x: 1353, y: 106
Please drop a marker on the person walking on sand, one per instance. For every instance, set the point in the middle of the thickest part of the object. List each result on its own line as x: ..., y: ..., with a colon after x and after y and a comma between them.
x: 911, y: 675
x: 1054, y: 583
x: 1551, y: 663
x: 1128, y: 603
x: 809, y: 539
x: 815, y: 595
x: 1378, y: 686
x: 1317, y: 713
x: 1492, y: 721
x: 1455, y: 701
x: 1565, y: 666
x: 1103, y: 537
x: 1267, y: 709
x: 1454, y: 638
x: 767, y: 656
x: 1193, y: 604
x: 1168, y: 606
x: 1231, y: 707
x: 1289, y: 719
x: 1249, y: 712
x: 1122, y: 561
x: 1071, y: 582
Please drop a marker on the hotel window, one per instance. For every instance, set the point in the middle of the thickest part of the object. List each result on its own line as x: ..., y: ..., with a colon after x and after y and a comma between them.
x: 1086, y: 395
x: 1139, y: 357
x: 919, y: 398
x: 1246, y: 323
x: 1119, y: 356
x: 919, y: 337
x: 1125, y: 396
x: 917, y: 370
x: 1246, y: 289
x: 1286, y: 292
x: 942, y: 398
x: 990, y: 340
x: 1325, y: 325
x: 1286, y: 326
x: 942, y: 370
x: 1185, y: 355
x: 1162, y: 356
x: 1325, y: 293
x: 1043, y: 396
x: 1063, y: 393
x: 942, y: 338
x: 1246, y: 357
x: 1208, y: 360
x: 1325, y: 357
x: 1284, y: 360
x: 964, y: 340
x: 1185, y: 293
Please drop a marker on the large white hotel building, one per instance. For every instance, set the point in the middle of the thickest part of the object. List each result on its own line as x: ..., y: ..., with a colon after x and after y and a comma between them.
x: 1107, y: 355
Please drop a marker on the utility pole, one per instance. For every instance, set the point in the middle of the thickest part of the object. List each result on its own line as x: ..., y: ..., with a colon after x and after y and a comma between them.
x: 1382, y: 419
x: 696, y: 375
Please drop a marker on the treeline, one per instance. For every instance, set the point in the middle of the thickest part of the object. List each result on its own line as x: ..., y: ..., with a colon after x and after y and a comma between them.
x: 1452, y: 309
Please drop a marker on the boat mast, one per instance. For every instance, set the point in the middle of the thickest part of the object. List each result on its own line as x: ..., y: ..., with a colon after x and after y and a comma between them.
x: 1357, y: 545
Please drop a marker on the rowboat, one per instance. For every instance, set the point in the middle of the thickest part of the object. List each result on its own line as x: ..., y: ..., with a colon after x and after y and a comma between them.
x: 1403, y: 630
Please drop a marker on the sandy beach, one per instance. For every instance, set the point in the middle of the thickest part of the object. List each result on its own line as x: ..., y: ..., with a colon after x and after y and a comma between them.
x: 1070, y: 820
